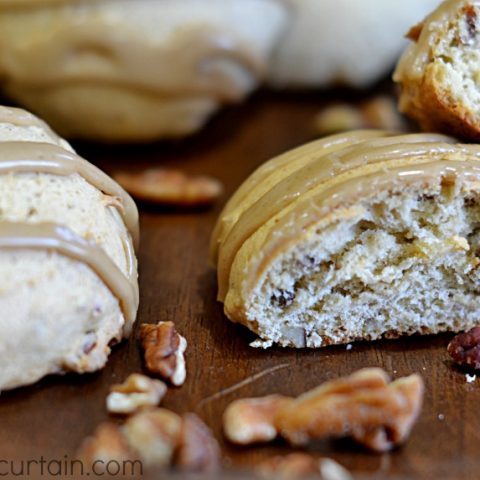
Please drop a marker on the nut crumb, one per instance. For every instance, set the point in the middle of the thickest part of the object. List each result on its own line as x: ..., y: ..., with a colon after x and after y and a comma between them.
x: 470, y: 378
x: 170, y: 187
x: 164, y: 351
x: 465, y: 348
x: 365, y: 405
x: 137, y: 392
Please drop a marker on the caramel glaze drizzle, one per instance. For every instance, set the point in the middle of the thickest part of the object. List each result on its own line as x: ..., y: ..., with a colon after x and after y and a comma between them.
x: 48, y: 158
x: 52, y: 159
x: 50, y: 236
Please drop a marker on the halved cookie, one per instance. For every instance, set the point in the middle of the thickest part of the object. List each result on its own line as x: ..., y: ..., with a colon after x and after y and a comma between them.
x: 354, y: 237
x: 439, y: 73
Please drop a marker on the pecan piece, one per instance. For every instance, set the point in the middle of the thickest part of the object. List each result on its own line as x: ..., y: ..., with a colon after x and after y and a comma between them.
x: 170, y: 187
x: 107, y: 444
x: 156, y: 438
x: 164, y: 351
x: 197, y: 451
x: 465, y: 348
x: 251, y: 420
x: 300, y: 465
x: 364, y: 405
x: 137, y: 392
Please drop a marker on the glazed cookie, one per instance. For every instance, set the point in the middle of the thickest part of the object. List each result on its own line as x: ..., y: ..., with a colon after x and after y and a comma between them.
x: 354, y: 237
x: 439, y: 71
x: 122, y: 70
x: 68, y: 271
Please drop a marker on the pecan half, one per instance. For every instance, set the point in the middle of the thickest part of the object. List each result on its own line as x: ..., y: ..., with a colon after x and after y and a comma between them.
x: 170, y: 187
x: 301, y: 465
x: 137, y: 392
x: 164, y: 351
x: 364, y: 405
x: 465, y: 348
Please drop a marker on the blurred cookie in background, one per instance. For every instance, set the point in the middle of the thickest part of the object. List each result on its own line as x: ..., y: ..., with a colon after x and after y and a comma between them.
x: 122, y: 70
x: 343, y: 42
x: 129, y: 71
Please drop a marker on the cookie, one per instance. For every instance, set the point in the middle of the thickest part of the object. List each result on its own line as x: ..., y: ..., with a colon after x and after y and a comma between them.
x: 122, y: 70
x: 357, y: 236
x: 68, y: 271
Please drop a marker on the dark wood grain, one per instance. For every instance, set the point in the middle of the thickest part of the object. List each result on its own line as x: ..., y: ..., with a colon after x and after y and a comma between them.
x: 52, y: 417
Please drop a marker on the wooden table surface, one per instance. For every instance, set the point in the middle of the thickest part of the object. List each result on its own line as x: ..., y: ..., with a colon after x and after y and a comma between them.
x: 51, y: 418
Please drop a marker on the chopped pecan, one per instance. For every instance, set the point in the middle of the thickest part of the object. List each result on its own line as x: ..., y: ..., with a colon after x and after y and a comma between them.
x: 107, y: 444
x: 471, y: 20
x: 300, y: 465
x: 465, y: 348
x: 364, y: 405
x: 197, y: 451
x: 170, y: 187
x: 251, y: 420
x: 137, y: 392
x: 154, y: 435
x: 156, y: 438
x: 283, y: 298
x: 164, y: 351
